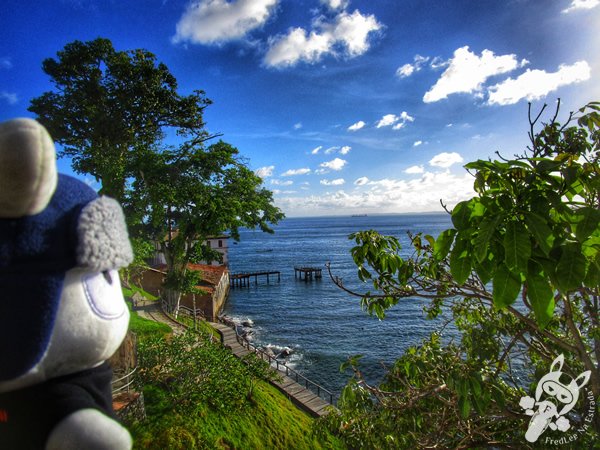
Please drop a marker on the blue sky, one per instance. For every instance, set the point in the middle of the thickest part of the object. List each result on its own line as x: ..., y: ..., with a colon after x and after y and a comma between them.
x: 342, y: 106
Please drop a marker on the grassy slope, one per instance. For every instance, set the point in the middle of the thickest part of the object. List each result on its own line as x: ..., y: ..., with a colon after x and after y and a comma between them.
x: 271, y: 422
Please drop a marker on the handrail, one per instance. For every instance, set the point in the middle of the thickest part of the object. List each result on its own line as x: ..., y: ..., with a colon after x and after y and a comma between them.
x: 309, y: 384
x: 125, y: 386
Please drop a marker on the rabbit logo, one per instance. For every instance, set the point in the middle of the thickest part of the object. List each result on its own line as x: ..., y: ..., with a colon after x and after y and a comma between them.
x: 553, y: 400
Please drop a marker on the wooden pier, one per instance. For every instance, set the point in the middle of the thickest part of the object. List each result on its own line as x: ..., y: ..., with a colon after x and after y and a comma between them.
x: 243, y: 279
x: 308, y: 273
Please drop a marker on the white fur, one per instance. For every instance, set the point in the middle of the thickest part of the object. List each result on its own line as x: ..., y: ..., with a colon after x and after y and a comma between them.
x: 103, y: 240
x: 88, y: 429
x: 28, y: 174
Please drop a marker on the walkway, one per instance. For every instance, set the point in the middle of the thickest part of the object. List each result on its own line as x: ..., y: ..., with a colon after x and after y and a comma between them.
x: 302, y: 397
x: 298, y: 394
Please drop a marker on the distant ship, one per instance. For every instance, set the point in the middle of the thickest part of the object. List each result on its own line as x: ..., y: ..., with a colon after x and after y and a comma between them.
x: 359, y: 215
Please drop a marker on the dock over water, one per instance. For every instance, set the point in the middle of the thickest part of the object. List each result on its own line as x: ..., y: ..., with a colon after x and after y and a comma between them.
x: 243, y: 279
x: 308, y: 273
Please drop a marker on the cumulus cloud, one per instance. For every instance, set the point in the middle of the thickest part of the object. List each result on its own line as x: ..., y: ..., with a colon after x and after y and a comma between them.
x: 345, y: 150
x: 282, y: 183
x: 467, y: 72
x: 297, y: 126
x: 445, y: 159
x: 335, y: 4
x: 417, y: 143
x: 347, y: 31
x: 293, y: 172
x: 396, y: 121
x: 361, y: 181
x: 315, y: 151
x: 335, y: 164
x: 408, y: 69
x: 356, y: 126
x: 387, y: 196
x: 581, y: 4
x: 415, y: 169
x: 264, y: 172
x: 536, y: 84
x: 10, y: 97
x: 336, y: 182
x: 218, y: 21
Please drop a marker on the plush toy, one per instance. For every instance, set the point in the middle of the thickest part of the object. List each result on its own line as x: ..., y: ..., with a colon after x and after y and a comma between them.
x: 62, y: 313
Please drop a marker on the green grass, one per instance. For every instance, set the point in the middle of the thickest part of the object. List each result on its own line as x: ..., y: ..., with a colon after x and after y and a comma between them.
x: 268, y: 420
x: 271, y: 422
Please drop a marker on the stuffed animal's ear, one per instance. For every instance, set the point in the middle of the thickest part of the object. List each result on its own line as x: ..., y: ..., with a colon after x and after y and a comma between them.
x: 27, y: 168
x: 103, y: 242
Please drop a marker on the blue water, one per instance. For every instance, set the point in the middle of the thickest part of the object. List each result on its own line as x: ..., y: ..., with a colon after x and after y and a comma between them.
x: 320, y: 323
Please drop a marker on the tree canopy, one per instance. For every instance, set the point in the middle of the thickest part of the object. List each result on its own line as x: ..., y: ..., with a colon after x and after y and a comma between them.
x: 118, y: 115
x: 519, y: 274
x: 109, y: 106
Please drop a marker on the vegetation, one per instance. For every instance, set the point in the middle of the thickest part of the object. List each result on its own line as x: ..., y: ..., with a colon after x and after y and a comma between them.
x: 120, y: 118
x: 519, y: 273
x: 198, y: 395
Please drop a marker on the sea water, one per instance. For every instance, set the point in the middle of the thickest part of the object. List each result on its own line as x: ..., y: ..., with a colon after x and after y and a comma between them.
x: 320, y: 324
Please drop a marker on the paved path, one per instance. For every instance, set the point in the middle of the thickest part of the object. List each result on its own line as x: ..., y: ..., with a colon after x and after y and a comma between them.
x: 302, y: 397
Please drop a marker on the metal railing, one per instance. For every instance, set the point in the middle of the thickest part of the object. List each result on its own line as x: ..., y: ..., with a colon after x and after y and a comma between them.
x: 319, y: 390
x: 129, y: 380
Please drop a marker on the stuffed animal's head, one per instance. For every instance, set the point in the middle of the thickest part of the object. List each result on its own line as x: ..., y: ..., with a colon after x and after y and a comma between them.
x: 61, y: 305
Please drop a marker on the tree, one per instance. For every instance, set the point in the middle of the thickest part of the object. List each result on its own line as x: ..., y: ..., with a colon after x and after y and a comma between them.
x: 519, y: 273
x: 109, y: 106
x: 188, y: 194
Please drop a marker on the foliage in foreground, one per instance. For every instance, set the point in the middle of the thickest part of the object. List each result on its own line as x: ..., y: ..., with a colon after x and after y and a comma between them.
x: 198, y: 395
x: 519, y: 273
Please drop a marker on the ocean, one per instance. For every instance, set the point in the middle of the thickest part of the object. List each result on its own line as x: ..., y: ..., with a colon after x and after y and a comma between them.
x: 319, y: 324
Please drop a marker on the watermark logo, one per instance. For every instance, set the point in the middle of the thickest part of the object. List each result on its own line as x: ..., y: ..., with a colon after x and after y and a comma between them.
x: 553, y: 400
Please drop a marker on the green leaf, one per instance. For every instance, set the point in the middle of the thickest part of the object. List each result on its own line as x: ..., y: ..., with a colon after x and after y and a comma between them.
x: 506, y: 287
x: 587, y: 222
x: 541, y: 297
x: 570, y: 270
x: 460, y: 261
x: 517, y: 247
x: 461, y: 215
x: 486, y: 231
x: 464, y: 405
x: 443, y: 244
x: 485, y: 270
x: 540, y: 230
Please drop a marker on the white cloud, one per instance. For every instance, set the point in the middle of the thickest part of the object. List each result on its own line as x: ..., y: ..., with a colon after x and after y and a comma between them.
x: 408, y: 69
x: 282, y: 183
x: 218, y: 21
x: 415, y: 169
x: 336, y: 182
x: 331, y: 150
x: 581, y: 4
x: 417, y: 143
x: 361, y: 181
x: 264, y: 172
x: 335, y: 4
x: 356, y: 126
x: 335, y: 164
x: 536, y: 84
x: 316, y: 150
x: 10, y: 97
x: 467, y: 72
x: 445, y: 159
x: 349, y: 31
x: 297, y: 126
x: 345, y: 150
x: 397, y: 121
x: 386, y: 196
x: 293, y: 172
